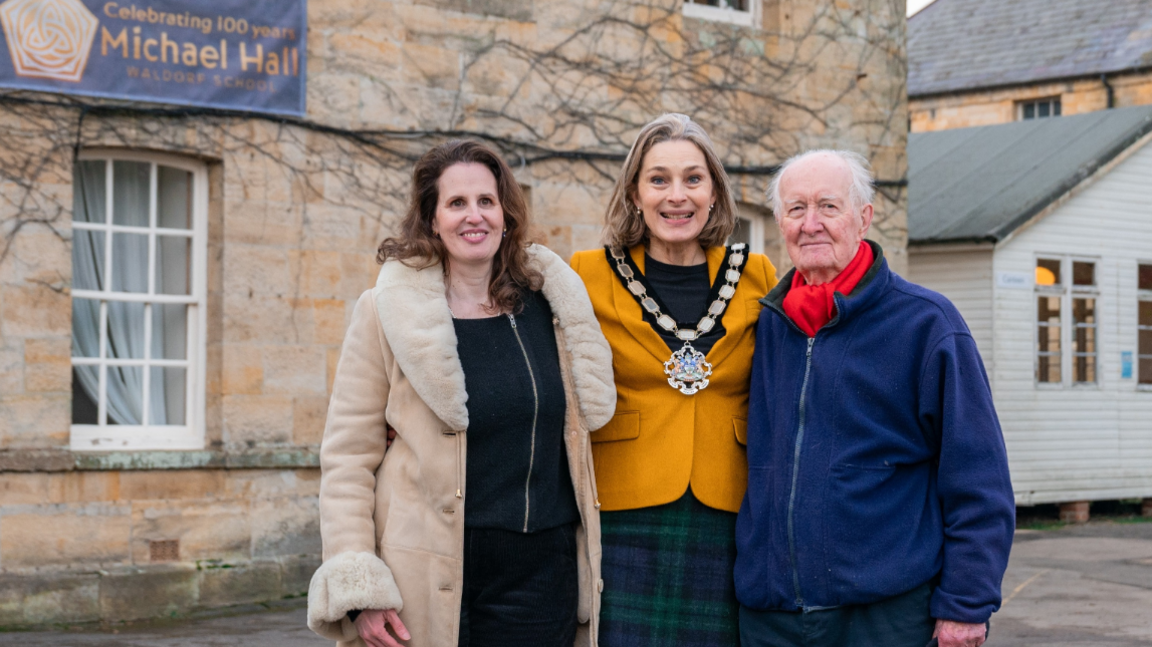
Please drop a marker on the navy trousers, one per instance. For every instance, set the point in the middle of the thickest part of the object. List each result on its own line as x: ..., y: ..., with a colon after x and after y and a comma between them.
x: 900, y: 621
x: 520, y: 590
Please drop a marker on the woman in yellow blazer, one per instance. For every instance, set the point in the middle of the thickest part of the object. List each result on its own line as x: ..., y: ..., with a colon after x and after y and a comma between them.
x: 679, y: 310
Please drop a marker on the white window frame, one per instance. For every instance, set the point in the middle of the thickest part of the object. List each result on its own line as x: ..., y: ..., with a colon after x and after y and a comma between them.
x: 1056, y: 100
x: 105, y: 437
x: 1141, y: 296
x: 743, y: 18
x: 1067, y: 292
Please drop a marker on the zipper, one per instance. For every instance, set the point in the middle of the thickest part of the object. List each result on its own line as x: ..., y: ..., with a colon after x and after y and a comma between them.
x: 796, y: 474
x: 535, y: 414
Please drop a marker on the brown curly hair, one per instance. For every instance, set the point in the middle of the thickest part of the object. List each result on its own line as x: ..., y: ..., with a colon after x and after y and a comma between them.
x: 417, y: 246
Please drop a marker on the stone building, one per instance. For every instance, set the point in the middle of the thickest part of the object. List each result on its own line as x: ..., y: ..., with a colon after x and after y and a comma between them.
x: 985, y: 62
x: 256, y: 233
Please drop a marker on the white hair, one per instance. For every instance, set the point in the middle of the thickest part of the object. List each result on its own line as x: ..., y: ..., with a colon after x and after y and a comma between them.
x: 860, y: 191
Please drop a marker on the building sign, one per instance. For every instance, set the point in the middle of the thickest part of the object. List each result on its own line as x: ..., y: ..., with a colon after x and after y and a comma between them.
x: 213, y: 53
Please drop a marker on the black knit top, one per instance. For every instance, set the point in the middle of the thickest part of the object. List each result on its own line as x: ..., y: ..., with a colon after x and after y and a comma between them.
x: 517, y: 468
x: 683, y: 290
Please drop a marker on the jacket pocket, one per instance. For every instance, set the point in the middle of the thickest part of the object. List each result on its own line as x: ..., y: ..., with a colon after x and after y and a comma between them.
x: 625, y: 425
x: 740, y: 426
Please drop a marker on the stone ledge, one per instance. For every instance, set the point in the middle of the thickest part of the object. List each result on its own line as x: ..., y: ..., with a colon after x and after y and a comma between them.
x: 44, y: 598
x: 57, y: 460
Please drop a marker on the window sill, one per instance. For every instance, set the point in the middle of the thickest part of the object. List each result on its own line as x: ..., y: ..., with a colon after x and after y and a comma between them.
x: 716, y: 14
x: 63, y: 460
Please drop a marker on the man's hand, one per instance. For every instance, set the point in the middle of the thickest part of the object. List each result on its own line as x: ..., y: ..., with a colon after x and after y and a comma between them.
x: 371, y: 624
x: 960, y: 634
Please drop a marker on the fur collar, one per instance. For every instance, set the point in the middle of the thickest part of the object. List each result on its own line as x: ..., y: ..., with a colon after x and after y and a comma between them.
x: 414, y: 315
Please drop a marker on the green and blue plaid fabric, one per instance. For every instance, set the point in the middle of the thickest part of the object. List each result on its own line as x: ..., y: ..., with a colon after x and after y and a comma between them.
x: 668, y: 576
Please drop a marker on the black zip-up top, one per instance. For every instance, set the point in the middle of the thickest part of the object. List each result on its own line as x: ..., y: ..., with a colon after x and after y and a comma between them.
x: 517, y: 471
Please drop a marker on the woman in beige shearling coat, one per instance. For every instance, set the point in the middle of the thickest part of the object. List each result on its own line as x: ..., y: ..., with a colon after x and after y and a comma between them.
x: 392, y: 521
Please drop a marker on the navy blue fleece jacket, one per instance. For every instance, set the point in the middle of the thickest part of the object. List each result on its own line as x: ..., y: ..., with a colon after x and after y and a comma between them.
x: 875, y: 459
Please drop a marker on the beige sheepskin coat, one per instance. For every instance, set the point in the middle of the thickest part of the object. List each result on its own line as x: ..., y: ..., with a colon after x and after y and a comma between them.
x: 392, y: 522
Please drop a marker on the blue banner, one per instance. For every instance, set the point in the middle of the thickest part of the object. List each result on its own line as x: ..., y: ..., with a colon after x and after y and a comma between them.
x: 214, y: 53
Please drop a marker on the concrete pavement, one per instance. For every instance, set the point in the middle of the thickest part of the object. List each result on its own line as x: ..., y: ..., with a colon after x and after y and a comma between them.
x: 1082, y: 586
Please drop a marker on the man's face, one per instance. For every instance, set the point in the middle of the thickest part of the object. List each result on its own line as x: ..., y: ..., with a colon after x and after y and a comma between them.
x: 821, y: 227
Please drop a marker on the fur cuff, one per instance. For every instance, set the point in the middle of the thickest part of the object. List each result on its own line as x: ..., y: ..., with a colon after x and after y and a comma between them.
x: 344, y: 583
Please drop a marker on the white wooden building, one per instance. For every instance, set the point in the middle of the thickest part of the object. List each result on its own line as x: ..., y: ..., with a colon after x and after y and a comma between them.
x: 1041, y: 233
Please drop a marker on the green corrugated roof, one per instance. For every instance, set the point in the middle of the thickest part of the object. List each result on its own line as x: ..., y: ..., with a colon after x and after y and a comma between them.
x: 980, y: 184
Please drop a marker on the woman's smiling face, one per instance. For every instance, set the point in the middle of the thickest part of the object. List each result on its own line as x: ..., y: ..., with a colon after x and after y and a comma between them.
x: 469, y: 218
x: 674, y: 191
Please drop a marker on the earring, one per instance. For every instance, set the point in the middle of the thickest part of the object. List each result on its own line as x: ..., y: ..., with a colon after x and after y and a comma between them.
x: 711, y: 207
x: 505, y: 234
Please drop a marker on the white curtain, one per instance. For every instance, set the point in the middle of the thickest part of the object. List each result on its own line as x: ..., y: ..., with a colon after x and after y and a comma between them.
x: 125, y: 384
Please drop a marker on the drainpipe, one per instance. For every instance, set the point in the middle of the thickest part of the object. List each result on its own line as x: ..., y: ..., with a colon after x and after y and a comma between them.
x: 1110, y: 89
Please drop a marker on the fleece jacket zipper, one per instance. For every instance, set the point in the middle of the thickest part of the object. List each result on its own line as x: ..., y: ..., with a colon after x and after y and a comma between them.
x: 796, y: 475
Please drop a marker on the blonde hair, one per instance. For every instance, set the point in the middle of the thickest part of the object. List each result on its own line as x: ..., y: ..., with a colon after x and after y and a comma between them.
x: 625, y: 228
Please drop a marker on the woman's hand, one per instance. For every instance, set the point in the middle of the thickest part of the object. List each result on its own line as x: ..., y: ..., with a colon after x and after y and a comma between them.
x: 372, y: 625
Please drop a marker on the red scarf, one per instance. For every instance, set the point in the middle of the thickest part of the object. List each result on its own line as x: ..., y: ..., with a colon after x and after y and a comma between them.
x: 810, y: 307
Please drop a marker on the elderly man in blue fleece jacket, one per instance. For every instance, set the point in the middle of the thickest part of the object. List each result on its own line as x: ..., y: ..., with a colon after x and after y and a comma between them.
x: 879, y: 508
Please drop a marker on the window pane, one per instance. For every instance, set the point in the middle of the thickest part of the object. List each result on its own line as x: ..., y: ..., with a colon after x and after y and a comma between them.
x: 1048, y: 272
x: 172, y: 264
x: 1042, y: 109
x: 742, y: 233
x: 1145, y: 342
x: 169, y: 331
x: 125, y: 395
x: 89, y: 192
x: 1084, y: 369
x: 1029, y: 111
x: 1083, y: 273
x: 1146, y: 370
x: 1146, y: 313
x: 130, y: 193
x: 1145, y: 273
x: 1048, y: 310
x: 1084, y: 311
x: 85, y: 393
x: 129, y: 263
x: 174, y: 198
x: 1056, y: 107
x: 1048, y: 340
x: 87, y: 260
x: 125, y: 330
x: 1048, y: 369
x: 85, y: 328
x: 166, y: 407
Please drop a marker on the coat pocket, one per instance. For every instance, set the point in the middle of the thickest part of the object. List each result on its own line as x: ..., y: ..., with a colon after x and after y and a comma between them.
x: 625, y: 425
x: 740, y: 426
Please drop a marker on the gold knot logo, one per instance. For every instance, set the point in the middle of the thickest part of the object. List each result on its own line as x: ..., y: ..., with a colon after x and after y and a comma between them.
x: 48, y: 39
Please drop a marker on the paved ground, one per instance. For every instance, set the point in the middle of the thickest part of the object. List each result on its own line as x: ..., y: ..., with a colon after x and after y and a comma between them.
x: 1084, y: 586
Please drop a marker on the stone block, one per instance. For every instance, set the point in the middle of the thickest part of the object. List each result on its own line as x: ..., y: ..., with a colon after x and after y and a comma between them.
x: 297, y: 572
x: 19, y: 488
x: 265, y: 320
x: 285, y: 526
x: 271, y: 483
x: 155, y: 485
x: 262, y: 223
x: 148, y: 593
x: 65, y: 536
x: 431, y: 66
x: 294, y: 370
x: 308, y: 417
x: 206, y: 530
x: 48, y: 597
x: 11, y: 366
x: 224, y: 585
x: 40, y: 420
x: 329, y: 317
x: 242, y: 369
x: 257, y: 419
x: 253, y: 270
x: 358, y: 273
x: 318, y: 273
x: 34, y: 311
x: 83, y: 487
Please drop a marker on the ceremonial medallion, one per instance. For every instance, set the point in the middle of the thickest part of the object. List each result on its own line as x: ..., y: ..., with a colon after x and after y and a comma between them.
x: 688, y: 370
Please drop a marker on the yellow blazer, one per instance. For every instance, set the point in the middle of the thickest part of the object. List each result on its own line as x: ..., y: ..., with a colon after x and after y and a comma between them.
x: 661, y: 441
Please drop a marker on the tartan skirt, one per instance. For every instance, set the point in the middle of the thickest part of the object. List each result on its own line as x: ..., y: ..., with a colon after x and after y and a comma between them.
x: 667, y: 574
